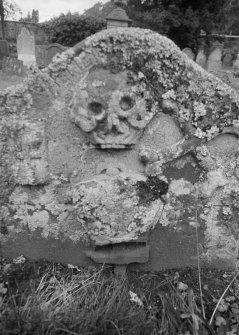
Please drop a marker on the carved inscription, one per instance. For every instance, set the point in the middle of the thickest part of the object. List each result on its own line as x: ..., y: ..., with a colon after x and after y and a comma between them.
x: 31, y: 165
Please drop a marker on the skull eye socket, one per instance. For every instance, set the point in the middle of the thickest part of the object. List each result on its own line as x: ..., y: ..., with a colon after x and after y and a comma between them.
x: 95, y: 107
x: 126, y: 103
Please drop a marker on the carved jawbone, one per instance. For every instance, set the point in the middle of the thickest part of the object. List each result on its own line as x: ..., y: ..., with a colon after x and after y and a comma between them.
x: 109, y: 109
x: 113, y: 208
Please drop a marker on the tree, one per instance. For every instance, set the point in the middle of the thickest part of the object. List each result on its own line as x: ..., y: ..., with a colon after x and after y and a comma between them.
x: 69, y: 29
x: 8, y: 8
x: 34, y: 17
x: 231, y: 17
x: 180, y: 20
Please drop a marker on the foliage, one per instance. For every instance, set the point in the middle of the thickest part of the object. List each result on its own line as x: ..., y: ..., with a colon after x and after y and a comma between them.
x: 8, y: 9
x: 69, y: 29
x: 180, y: 20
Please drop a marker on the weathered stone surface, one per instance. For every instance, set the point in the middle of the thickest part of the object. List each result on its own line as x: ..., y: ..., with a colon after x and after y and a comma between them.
x: 26, y: 47
x: 120, y: 136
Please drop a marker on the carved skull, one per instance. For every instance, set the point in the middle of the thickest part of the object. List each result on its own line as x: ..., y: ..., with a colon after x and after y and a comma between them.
x: 109, y: 109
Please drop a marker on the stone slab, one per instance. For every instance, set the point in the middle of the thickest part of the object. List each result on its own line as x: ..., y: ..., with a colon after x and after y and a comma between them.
x: 52, y: 50
x: 201, y: 59
x: 108, y: 146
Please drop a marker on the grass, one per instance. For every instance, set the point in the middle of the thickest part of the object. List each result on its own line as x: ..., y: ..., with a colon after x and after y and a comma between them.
x: 44, y: 298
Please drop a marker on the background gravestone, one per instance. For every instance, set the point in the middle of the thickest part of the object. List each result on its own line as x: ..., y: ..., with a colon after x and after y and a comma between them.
x: 4, y: 51
x: 227, y: 59
x: 214, y: 62
x: 201, y: 58
x: 26, y: 47
x: 236, y: 67
x: 189, y: 53
x: 108, y: 154
x: 52, y: 50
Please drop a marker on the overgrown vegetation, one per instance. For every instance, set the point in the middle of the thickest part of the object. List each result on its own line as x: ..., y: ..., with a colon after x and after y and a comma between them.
x: 8, y: 9
x: 45, y: 298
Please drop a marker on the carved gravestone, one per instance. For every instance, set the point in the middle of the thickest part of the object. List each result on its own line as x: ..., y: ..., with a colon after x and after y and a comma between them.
x: 26, y: 47
x: 108, y: 153
x: 214, y: 62
x: 189, y: 53
x: 201, y: 59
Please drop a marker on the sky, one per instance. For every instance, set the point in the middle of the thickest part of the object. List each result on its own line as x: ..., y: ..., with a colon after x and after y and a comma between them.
x: 49, y: 8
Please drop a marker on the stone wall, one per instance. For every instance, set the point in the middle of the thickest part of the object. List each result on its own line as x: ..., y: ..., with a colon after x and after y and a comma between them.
x: 13, y: 28
x: 121, y: 144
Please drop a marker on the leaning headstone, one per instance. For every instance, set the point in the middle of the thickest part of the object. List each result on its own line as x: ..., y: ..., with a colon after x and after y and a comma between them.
x: 214, y: 62
x: 189, y: 53
x: 201, y: 59
x: 107, y: 155
x: 26, y: 47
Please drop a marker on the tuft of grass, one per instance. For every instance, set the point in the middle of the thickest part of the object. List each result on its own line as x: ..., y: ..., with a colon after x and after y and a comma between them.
x: 54, y: 299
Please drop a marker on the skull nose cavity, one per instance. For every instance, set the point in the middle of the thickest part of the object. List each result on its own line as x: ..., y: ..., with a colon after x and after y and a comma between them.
x: 97, y: 110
